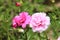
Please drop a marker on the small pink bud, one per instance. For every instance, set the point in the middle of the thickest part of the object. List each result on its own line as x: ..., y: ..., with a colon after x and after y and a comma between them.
x: 18, y: 4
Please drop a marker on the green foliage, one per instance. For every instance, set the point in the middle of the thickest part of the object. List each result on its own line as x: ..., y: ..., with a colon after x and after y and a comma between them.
x: 8, y: 10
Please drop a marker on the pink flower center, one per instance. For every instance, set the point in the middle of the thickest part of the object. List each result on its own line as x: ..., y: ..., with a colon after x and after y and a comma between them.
x: 40, y: 24
x: 22, y: 19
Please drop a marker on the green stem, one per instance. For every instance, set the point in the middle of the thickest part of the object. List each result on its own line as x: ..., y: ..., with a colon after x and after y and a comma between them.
x: 39, y: 36
x: 46, y: 36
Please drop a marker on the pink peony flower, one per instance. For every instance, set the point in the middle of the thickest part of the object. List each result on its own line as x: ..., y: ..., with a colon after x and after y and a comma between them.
x: 39, y: 22
x: 22, y: 20
x: 58, y: 38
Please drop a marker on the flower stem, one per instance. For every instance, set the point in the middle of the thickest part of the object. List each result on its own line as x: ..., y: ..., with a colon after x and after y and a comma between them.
x: 39, y: 36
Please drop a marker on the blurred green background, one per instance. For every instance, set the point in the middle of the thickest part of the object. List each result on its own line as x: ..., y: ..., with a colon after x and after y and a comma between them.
x: 8, y: 10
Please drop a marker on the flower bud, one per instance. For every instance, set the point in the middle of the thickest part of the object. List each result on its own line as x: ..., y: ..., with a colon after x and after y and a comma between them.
x: 18, y: 4
x: 20, y: 30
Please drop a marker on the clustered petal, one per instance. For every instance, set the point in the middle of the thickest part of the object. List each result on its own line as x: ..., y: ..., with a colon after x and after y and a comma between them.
x: 21, y: 20
x: 39, y: 22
